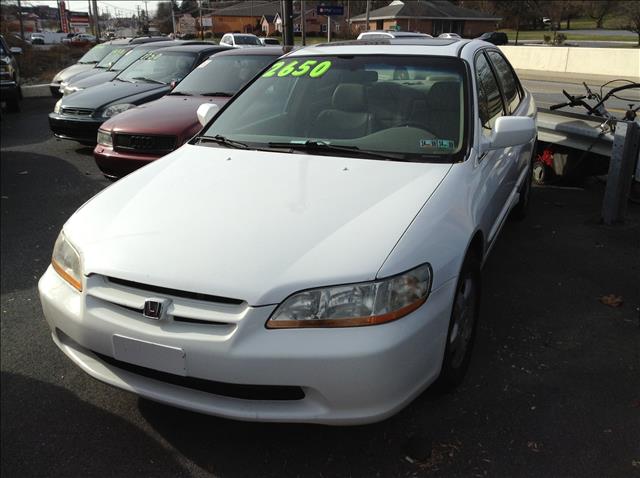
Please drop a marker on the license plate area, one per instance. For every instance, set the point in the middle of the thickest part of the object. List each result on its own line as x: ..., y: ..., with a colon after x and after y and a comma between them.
x: 151, y: 355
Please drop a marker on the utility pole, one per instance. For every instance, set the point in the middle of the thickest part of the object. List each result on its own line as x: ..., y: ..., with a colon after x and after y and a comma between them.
x: 138, y: 18
x: 20, y: 18
x: 173, y: 20
x: 368, y: 10
x: 92, y: 20
x: 328, y: 28
x: 96, y: 14
x: 287, y: 18
x: 201, y: 29
x: 303, y: 23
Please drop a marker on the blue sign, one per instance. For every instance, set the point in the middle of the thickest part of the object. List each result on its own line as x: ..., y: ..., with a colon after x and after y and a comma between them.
x: 330, y: 10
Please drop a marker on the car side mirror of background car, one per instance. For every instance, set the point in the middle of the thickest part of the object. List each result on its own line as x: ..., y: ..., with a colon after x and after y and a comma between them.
x: 206, y: 112
x: 510, y: 131
x: 16, y: 50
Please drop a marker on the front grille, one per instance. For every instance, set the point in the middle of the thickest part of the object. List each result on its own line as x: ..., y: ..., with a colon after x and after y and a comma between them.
x: 77, y: 111
x: 246, y: 392
x: 144, y: 143
x: 174, y: 292
x: 109, y: 297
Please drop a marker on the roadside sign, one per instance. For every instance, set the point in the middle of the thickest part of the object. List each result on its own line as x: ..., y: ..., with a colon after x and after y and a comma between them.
x: 330, y: 10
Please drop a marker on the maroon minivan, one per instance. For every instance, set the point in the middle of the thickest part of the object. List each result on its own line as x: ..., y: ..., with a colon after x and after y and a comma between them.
x: 140, y: 135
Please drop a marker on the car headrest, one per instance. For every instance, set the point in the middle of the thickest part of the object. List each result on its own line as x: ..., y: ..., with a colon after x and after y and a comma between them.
x: 445, y: 95
x: 349, y: 97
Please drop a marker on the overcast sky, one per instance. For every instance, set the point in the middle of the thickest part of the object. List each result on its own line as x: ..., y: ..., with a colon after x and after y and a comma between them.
x: 123, y: 7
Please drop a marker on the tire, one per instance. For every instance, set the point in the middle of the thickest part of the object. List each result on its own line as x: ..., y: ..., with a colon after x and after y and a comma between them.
x: 462, y: 325
x: 520, y: 210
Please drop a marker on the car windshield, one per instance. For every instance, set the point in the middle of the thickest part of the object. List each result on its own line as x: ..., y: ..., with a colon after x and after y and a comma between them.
x: 225, y: 74
x: 129, y: 58
x: 97, y: 53
x: 406, y: 107
x: 159, y: 67
x: 112, y: 57
x: 247, y: 40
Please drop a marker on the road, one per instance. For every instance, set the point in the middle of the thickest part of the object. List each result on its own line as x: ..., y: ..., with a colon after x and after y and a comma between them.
x: 553, y: 389
x: 548, y: 91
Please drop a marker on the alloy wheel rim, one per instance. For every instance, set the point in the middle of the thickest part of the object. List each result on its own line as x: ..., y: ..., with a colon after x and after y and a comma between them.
x: 463, y: 320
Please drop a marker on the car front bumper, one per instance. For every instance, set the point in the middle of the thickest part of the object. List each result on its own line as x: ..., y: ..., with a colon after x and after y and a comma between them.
x: 117, y: 164
x: 9, y: 90
x: 82, y: 130
x: 347, y: 375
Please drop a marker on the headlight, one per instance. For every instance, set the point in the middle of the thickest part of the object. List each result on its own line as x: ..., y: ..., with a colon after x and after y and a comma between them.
x: 366, y: 303
x: 66, y: 262
x: 104, y: 138
x: 58, y: 106
x: 113, y: 110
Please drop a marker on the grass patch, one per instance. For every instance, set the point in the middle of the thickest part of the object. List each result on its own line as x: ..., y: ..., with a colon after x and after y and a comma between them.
x: 539, y: 35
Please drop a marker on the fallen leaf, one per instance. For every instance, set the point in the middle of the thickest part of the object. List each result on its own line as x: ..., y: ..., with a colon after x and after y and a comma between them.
x: 534, y: 447
x: 611, y: 300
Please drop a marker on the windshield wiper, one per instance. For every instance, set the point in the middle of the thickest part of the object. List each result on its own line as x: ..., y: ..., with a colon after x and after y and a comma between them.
x: 148, y: 80
x: 180, y: 93
x: 310, y: 145
x: 218, y: 93
x: 219, y: 139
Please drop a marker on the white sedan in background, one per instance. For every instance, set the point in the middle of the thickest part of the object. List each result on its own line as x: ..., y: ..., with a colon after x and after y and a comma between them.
x: 314, y: 254
x: 240, y: 40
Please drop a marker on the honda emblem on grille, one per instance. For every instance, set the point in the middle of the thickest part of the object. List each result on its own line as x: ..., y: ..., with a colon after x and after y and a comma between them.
x: 155, y: 308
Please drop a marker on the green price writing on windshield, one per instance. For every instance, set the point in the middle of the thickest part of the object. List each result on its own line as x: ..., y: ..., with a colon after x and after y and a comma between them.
x: 313, y: 68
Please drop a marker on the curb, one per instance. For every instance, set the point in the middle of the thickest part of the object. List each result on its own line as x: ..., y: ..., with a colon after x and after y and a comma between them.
x: 35, y: 91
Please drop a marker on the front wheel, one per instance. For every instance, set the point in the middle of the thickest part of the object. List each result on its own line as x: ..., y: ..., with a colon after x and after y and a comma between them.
x: 462, y: 326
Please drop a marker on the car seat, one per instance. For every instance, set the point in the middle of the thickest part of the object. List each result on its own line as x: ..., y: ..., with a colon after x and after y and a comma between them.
x: 349, y: 116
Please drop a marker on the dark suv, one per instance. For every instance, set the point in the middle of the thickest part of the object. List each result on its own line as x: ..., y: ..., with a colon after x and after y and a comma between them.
x: 497, y: 38
x: 9, y: 76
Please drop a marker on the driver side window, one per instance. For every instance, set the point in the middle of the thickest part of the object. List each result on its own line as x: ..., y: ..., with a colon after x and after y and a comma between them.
x: 490, y: 106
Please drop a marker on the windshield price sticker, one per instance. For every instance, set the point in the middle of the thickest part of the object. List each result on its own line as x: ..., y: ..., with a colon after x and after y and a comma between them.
x: 311, y: 68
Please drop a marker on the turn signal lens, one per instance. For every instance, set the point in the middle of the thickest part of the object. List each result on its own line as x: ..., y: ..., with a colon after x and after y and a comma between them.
x: 66, y: 262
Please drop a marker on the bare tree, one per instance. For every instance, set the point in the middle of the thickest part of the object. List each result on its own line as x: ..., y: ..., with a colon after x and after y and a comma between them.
x: 631, y: 11
x: 599, y: 9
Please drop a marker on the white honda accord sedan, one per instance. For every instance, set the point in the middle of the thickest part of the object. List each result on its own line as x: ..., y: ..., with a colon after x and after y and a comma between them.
x: 314, y: 254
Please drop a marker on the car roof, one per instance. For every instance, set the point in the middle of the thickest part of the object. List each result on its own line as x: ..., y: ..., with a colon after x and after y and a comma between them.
x: 195, y: 48
x: 266, y: 51
x: 396, y: 34
x: 390, y: 46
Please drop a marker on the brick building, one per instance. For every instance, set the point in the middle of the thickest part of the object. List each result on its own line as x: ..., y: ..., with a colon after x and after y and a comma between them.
x: 427, y: 16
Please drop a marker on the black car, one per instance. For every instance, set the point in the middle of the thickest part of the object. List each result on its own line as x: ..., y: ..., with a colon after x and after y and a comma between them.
x: 9, y: 76
x: 497, y: 38
x: 78, y: 116
x: 107, y: 69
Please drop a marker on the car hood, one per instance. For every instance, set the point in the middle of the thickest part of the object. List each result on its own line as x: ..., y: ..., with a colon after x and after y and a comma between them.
x: 72, y: 70
x: 251, y: 225
x: 85, y: 74
x: 112, y: 91
x: 170, y: 115
x: 98, y: 78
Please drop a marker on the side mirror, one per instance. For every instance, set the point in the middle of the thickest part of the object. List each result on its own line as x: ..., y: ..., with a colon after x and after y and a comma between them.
x: 174, y: 83
x: 206, y: 112
x: 510, y: 131
x: 16, y: 50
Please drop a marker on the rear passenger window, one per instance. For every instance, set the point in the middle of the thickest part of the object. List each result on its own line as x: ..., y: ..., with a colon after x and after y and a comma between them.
x: 507, y: 80
x: 489, y: 100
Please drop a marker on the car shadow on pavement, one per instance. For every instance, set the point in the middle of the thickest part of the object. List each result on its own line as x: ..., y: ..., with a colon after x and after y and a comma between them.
x: 49, y: 431
x: 39, y: 193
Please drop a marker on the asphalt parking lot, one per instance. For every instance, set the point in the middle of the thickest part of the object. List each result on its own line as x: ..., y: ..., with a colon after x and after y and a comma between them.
x: 553, y: 389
